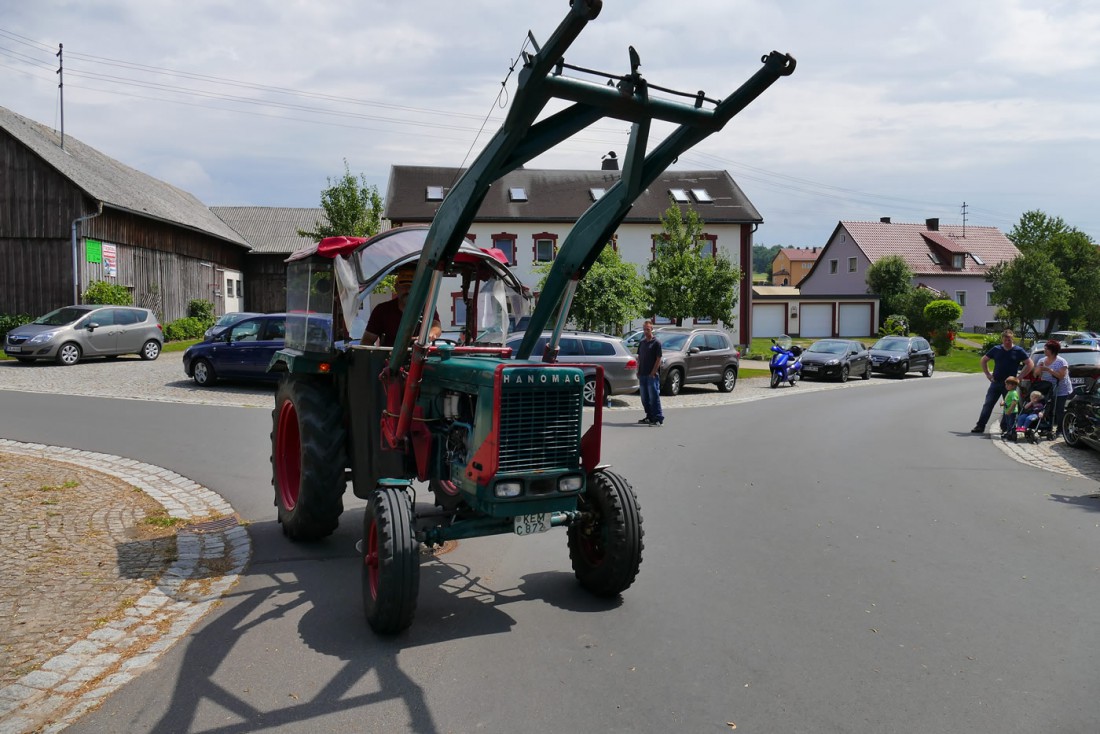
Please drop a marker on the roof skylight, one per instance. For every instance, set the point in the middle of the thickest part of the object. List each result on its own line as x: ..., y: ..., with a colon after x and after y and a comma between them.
x: 434, y: 193
x: 702, y: 196
x: 596, y: 193
x: 679, y: 196
x: 517, y: 193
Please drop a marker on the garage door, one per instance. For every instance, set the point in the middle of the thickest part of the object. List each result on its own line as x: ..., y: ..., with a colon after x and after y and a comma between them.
x: 816, y: 320
x: 767, y: 319
x: 855, y: 319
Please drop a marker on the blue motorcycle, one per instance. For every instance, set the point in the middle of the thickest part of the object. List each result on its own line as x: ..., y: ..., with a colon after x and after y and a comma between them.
x: 786, y: 363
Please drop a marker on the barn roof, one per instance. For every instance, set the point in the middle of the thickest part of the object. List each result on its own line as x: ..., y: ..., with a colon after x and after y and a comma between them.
x: 116, y: 185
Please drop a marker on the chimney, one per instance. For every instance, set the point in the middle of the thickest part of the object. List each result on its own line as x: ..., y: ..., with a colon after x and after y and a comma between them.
x: 610, y: 162
x: 933, y: 224
x: 884, y: 220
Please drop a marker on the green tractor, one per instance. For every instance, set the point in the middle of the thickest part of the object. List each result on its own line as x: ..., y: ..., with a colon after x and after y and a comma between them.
x: 498, y: 439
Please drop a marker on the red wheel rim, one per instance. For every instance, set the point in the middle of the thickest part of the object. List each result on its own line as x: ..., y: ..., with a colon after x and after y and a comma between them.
x: 288, y: 455
x: 370, y: 558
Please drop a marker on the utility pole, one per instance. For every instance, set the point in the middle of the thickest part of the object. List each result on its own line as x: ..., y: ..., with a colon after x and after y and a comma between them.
x: 61, y: 88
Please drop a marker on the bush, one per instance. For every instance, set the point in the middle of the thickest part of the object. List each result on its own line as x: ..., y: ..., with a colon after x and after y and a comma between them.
x: 896, y: 325
x: 10, y: 321
x: 991, y: 340
x: 203, y: 310
x: 185, y: 328
x: 103, y: 293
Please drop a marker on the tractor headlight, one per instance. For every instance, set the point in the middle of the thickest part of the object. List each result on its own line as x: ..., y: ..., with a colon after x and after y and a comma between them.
x: 508, y: 489
x: 570, y: 483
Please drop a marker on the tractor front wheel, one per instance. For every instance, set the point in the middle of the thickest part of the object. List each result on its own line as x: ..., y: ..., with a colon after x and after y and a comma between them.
x: 605, y: 547
x: 308, y: 457
x: 391, y: 562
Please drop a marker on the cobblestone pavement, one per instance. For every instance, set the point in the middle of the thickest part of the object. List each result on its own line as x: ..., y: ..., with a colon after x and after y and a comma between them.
x: 101, y: 595
x: 90, y: 592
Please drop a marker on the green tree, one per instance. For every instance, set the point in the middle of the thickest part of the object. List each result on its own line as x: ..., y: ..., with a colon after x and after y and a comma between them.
x: 1027, y: 288
x: 1074, y: 255
x: 352, y: 207
x: 912, y: 306
x: 610, y: 294
x: 891, y: 279
x: 683, y: 282
x: 941, y: 315
x: 762, y: 257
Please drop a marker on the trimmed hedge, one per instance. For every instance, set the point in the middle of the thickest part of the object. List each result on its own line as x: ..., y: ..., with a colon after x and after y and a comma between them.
x: 189, y: 327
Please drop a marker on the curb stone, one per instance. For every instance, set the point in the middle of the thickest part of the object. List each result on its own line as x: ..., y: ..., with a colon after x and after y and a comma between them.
x: 81, y: 676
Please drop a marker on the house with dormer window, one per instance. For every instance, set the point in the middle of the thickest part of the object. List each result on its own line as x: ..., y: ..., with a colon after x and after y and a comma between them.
x: 952, y: 259
x: 530, y: 212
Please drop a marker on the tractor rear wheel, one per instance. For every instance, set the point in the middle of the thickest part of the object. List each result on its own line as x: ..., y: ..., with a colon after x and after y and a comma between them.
x: 391, y: 562
x: 308, y: 457
x: 606, y: 547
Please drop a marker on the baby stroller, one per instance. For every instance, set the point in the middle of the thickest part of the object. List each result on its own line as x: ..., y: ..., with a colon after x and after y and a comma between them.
x: 1045, y: 426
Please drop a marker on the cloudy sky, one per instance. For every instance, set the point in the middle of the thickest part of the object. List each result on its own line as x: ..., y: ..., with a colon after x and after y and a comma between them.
x: 901, y: 110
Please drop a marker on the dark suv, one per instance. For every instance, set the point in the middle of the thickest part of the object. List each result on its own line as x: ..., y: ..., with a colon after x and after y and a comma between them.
x: 696, y: 355
x: 896, y: 355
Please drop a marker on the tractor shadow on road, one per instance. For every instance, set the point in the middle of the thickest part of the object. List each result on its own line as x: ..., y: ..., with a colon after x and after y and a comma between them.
x: 306, y: 601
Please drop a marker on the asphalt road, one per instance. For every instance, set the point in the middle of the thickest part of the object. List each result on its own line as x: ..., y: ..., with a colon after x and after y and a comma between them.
x: 836, y: 561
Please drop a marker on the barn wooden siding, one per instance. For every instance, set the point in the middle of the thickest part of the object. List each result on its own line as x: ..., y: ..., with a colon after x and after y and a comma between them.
x: 265, y: 283
x: 162, y: 263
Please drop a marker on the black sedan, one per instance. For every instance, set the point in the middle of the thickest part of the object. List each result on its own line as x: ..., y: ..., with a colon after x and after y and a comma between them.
x: 241, y: 352
x: 836, y: 359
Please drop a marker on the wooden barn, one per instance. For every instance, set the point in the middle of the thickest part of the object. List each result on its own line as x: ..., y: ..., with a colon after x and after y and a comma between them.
x: 273, y: 234
x: 70, y: 215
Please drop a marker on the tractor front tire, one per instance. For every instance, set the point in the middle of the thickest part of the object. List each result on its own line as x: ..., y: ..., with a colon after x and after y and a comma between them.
x: 605, y: 547
x: 391, y: 562
x: 308, y: 457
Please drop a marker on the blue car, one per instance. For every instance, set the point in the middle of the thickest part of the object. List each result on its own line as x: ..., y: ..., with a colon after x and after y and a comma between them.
x: 241, y: 352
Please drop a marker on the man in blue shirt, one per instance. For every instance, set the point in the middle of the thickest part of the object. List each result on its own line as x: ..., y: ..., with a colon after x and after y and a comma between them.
x: 649, y: 376
x: 1007, y: 358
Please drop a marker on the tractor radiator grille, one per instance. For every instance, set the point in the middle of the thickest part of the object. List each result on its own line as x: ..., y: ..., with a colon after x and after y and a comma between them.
x: 540, y: 430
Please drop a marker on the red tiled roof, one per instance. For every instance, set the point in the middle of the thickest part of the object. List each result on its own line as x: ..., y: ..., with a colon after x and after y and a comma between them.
x: 798, y: 254
x: 912, y: 242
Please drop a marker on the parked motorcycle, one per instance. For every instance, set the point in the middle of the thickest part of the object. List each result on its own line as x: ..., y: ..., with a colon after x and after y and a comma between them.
x: 786, y: 362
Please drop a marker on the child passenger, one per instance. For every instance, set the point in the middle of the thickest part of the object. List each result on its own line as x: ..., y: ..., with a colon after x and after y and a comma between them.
x: 1011, y: 403
x: 1030, y: 415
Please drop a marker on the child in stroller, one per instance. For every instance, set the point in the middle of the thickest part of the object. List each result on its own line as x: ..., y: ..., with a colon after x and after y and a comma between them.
x: 1044, y: 427
x: 1031, y: 416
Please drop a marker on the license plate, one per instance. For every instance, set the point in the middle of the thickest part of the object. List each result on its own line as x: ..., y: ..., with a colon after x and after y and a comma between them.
x: 810, y: 368
x: 1077, y: 380
x: 15, y: 350
x: 531, y: 524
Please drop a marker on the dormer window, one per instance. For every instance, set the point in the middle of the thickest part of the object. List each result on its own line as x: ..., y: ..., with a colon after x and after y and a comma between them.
x: 958, y: 261
x: 517, y: 193
x: 434, y: 193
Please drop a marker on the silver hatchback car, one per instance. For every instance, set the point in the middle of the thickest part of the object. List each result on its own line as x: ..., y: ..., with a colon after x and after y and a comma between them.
x: 620, y: 367
x: 73, y: 332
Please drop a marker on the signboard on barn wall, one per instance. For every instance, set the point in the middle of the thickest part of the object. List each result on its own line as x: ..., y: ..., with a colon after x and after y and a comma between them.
x: 110, y: 260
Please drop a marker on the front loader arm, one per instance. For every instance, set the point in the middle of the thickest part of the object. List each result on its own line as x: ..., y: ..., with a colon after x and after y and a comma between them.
x: 598, y: 223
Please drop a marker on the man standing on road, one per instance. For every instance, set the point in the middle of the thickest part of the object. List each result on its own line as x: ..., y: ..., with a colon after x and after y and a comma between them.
x: 1007, y: 358
x: 649, y: 376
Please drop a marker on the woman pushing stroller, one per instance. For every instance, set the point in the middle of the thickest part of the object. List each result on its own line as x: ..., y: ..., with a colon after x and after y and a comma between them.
x: 1054, y: 370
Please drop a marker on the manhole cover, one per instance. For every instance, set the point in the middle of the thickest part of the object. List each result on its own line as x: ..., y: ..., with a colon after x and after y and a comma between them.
x: 211, y: 526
